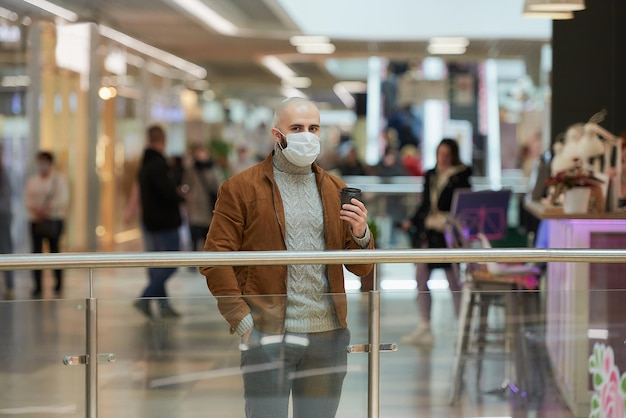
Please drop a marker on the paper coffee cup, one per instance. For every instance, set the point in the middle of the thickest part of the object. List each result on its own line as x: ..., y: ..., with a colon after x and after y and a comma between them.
x: 348, y: 193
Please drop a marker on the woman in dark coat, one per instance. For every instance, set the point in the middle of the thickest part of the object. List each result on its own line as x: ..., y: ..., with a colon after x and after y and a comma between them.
x: 440, y: 183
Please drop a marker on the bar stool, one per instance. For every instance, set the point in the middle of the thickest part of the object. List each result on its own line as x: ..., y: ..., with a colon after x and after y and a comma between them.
x: 487, y: 286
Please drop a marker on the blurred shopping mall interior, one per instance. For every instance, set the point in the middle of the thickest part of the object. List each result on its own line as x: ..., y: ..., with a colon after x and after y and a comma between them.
x: 83, y: 79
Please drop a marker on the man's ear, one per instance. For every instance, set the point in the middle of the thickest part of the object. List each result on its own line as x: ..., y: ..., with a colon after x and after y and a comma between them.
x: 276, y: 135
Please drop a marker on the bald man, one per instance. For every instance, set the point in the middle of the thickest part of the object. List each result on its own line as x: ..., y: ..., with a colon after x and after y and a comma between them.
x: 291, y: 319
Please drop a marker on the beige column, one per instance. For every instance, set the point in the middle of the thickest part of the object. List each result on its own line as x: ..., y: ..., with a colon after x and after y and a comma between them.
x: 81, y: 164
x: 106, y: 171
x: 48, y: 88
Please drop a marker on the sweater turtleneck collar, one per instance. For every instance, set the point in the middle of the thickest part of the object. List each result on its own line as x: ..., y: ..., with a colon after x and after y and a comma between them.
x: 281, y: 163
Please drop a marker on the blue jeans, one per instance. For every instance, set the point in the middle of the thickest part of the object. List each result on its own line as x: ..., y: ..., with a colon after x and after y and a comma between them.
x: 167, y: 240
x: 6, y: 246
x: 277, y: 365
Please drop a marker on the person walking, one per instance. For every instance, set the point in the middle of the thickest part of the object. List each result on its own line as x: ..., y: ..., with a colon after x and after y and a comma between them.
x: 46, y: 197
x: 160, y: 216
x: 6, y: 242
x: 440, y: 183
x: 201, y: 182
x: 291, y: 319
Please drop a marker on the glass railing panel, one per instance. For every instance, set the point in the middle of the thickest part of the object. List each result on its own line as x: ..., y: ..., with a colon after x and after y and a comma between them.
x: 508, y: 349
x: 419, y: 379
x: 354, y: 394
x: 182, y: 366
x: 539, y: 354
x: 35, y: 336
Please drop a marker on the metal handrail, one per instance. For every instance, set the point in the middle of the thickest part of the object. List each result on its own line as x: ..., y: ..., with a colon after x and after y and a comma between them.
x: 190, y: 259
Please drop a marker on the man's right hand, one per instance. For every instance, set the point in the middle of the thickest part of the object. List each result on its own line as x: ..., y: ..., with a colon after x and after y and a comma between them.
x: 245, y: 337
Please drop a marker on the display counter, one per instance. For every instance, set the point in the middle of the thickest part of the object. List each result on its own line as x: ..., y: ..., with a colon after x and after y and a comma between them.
x: 584, y: 301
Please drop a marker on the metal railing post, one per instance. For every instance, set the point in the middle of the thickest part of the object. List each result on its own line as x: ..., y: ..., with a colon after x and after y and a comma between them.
x: 91, y: 370
x: 373, y: 404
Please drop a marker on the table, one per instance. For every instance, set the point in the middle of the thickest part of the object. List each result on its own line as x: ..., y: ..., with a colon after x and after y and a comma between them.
x: 584, y: 302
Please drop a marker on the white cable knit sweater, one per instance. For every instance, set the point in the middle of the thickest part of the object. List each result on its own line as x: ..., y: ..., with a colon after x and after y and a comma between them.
x: 309, y: 308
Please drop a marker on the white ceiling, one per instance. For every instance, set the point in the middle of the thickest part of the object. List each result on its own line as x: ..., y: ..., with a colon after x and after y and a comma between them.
x: 391, y: 20
x: 393, y: 29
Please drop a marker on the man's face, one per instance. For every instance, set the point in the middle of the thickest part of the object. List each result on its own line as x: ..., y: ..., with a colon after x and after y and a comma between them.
x: 296, y: 117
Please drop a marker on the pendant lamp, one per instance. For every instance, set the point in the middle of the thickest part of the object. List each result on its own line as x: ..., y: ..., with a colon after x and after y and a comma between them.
x: 556, y: 5
x: 526, y: 12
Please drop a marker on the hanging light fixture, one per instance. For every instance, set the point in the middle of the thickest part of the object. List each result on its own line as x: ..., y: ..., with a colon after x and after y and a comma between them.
x: 526, y: 12
x: 556, y: 5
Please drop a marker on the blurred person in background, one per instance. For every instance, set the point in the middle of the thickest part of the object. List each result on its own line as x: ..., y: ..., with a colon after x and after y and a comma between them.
x: 178, y: 165
x: 428, y: 222
x: 177, y: 168
x: 390, y: 164
x: 160, y: 200
x: 220, y: 152
x: 201, y: 183
x: 411, y: 160
x: 243, y: 157
x: 349, y: 163
x: 291, y: 319
x: 6, y: 242
x: 46, y: 197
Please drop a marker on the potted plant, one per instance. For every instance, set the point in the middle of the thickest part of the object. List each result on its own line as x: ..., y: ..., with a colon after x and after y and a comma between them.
x: 575, y: 185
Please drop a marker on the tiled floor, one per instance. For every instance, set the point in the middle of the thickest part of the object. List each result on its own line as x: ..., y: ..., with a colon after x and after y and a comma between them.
x: 188, y: 367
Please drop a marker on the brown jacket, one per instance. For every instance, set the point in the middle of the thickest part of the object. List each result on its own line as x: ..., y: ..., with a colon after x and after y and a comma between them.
x: 249, y: 216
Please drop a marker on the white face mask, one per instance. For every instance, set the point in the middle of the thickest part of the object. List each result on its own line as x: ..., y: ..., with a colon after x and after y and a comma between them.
x: 302, y: 148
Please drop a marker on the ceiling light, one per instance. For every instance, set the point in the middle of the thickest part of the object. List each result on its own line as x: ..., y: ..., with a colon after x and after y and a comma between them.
x: 208, y: 16
x: 163, y: 56
x: 54, y: 9
x: 107, y: 93
x: 344, y: 95
x: 450, y: 41
x: 297, y: 82
x: 160, y: 70
x: 526, y: 12
x: 305, y: 39
x: 556, y: 5
x: 312, y: 44
x: 277, y: 67
x: 354, y: 86
x: 198, y: 85
x: 446, y: 49
x: 316, y: 48
x: 8, y: 15
x: 448, y: 45
x: 15, y: 81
